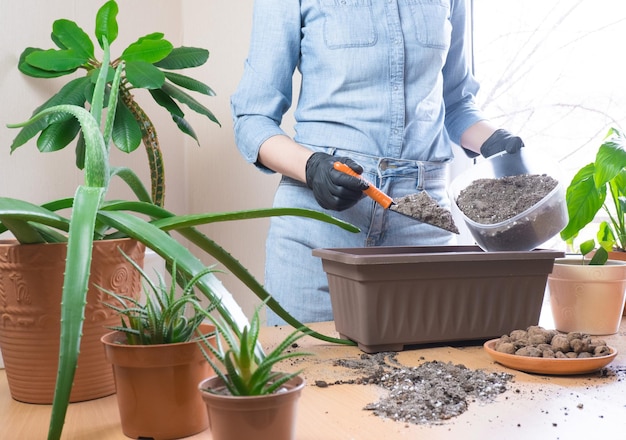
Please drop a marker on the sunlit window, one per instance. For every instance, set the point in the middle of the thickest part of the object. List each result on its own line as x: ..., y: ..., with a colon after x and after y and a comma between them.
x: 553, y: 72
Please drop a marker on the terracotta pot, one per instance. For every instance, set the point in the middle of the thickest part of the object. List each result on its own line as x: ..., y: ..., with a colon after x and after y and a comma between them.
x: 157, y: 387
x: 587, y: 299
x: 31, y: 283
x: 269, y: 417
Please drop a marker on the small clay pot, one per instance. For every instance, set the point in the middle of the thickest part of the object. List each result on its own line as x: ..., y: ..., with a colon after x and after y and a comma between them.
x: 268, y: 417
x: 587, y: 299
x: 157, y: 392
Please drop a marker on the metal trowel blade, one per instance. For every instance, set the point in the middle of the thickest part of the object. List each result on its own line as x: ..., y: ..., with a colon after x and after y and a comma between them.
x: 424, y: 208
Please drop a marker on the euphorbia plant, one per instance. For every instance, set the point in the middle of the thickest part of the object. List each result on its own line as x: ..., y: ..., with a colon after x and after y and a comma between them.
x: 94, y: 218
x: 600, y: 186
x: 152, y: 63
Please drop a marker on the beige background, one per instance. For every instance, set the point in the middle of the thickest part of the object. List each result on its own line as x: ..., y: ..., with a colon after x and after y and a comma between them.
x: 209, y: 177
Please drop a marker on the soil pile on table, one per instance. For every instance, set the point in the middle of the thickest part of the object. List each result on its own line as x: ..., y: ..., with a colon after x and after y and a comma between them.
x: 427, y: 394
x: 490, y: 201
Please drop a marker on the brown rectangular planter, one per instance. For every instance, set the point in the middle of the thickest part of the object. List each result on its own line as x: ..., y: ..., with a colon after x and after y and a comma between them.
x: 385, y: 298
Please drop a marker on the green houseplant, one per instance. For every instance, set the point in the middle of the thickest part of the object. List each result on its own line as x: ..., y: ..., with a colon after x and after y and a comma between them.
x: 156, y: 344
x: 93, y: 217
x: 247, y: 397
x: 152, y: 63
x: 600, y: 186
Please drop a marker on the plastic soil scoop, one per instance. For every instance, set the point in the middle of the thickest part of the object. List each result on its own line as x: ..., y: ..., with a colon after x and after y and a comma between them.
x: 418, y: 206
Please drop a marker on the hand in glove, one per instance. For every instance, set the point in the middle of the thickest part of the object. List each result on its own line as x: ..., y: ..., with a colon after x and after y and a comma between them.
x: 333, y: 189
x: 501, y: 140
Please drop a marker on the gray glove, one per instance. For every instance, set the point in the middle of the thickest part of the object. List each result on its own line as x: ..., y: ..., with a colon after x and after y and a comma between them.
x: 501, y: 140
x: 333, y: 189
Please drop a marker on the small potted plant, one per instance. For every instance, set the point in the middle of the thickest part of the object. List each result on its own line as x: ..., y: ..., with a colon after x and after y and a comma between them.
x: 156, y: 360
x: 587, y: 295
x: 248, y: 398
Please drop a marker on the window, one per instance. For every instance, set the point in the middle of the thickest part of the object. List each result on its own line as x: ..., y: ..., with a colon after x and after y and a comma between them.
x: 551, y: 71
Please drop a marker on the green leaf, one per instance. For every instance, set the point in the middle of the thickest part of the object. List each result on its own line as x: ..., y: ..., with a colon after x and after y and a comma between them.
x: 58, y: 135
x: 185, y: 98
x: 599, y: 258
x: 126, y: 133
x: 133, y: 182
x: 147, y: 50
x: 19, y: 210
x: 583, y: 201
x: 164, y: 100
x: 144, y: 75
x: 56, y: 60
x: 36, y: 72
x: 587, y: 246
x: 184, y: 126
x: 610, y: 159
x: 75, y: 284
x: 106, y: 23
x: 71, y: 36
x: 189, y: 83
x: 71, y: 93
x: 184, y: 58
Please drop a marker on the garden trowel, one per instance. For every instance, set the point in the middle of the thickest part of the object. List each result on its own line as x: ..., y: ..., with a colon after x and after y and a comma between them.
x: 418, y: 206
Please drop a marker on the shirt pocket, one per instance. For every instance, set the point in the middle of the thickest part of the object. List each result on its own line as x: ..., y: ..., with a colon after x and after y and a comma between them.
x: 348, y: 23
x: 432, y: 22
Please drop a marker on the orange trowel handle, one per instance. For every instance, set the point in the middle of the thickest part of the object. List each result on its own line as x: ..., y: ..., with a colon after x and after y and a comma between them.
x: 374, y: 193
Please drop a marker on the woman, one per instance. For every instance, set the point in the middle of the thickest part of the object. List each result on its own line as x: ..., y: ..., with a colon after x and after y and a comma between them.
x: 386, y: 88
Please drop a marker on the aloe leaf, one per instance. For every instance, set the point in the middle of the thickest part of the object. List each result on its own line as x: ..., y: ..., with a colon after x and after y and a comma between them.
x: 189, y: 100
x: 133, y: 182
x: 75, y: 285
x: 170, y: 249
x: 189, y: 83
x: 97, y: 100
x: 72, y: 93
x: 126, y: 133
x: 184, y: 58
x: 147, y: 50
x: 96, y: 162
x: 144, y: 75
x: 106, y: 23
x: 107, y: 132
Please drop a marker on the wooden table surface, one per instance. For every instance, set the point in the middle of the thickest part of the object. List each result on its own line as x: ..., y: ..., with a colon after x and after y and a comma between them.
x: 534, y: 406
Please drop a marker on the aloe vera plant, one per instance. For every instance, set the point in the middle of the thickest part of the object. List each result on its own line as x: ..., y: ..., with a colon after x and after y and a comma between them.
x: 233, y: 358
x: 93, y: 217
x: 152, y: 63
x: 163, y: 316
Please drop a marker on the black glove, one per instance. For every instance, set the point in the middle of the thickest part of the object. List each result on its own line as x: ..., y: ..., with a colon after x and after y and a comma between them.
x: 333, y: 189
x: 501, y: 140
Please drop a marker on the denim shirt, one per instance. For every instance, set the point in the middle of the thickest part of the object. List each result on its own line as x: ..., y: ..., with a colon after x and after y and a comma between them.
x: 388, y: 78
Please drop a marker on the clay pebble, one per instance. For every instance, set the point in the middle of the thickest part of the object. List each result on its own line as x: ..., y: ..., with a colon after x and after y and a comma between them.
x: 537, y: 341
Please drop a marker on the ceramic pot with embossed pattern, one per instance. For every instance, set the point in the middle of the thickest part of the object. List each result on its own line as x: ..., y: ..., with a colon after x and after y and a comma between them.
x: 31, y: 281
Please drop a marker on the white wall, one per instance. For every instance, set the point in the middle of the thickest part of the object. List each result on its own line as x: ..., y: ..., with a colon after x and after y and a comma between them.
x: 209, y: 177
